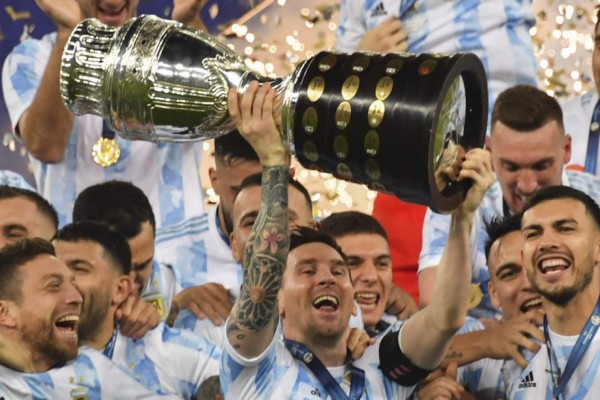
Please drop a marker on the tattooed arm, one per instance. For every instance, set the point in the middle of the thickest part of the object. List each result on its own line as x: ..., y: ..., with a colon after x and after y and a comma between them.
x: 253, y: 319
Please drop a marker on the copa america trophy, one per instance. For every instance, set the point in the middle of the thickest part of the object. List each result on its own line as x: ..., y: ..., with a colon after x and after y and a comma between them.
x: 399, y: 123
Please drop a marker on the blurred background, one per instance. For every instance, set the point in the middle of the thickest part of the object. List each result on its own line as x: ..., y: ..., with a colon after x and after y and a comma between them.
x: 274, y: 35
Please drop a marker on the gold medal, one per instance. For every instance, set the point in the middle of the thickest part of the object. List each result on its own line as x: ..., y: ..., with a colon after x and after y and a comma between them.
x: 106, y: 152
x: 475, y: 295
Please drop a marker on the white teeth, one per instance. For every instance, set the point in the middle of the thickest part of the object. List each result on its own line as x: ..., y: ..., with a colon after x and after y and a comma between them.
x: 532, y: 302
x: 369, y: 296
x: 68, y: 318
x: 554, y: 262
x: 325, y: 298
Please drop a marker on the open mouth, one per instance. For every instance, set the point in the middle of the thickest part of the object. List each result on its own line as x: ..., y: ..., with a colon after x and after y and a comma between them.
x: 531, y: 304
x: 68, y: 324
x: 553, y: 266
x: 326, y: 303
x: 366, y: 298
x: 111, y: 16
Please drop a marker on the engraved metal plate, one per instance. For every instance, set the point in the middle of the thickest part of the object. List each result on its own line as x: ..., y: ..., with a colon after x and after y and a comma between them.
x: 375, y: 114
x: 361, y: 64
x: 327, y: 62
x: 384, y: 88
x: 310, y: 151
x: 310, y: 120
x: 350, y: 87
x: 315, y: 88
x: 342, y: 115
x: 340, y: 147
x: 394, y: 66
x: 372, y: 143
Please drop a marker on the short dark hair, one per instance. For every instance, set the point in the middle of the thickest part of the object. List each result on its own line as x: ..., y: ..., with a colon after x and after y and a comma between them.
x: 232, y: 147
x: 9, y: 192
x: 351, y: 223
x: 256, y: 180
x: 499, y: 227
x: 597, y: 22
x: 114, y: 245
x: 13, y: 256
x: 525, y: 108
x: 121, y: 206
x: 302, y: 235
x: 565, y: 192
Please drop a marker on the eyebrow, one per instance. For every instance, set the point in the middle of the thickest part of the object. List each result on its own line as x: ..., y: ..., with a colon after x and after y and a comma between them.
x: 542, y: 161
x: 505, y: 267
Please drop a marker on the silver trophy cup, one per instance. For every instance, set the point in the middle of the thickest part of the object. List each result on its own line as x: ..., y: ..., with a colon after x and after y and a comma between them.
x: 399, y: 123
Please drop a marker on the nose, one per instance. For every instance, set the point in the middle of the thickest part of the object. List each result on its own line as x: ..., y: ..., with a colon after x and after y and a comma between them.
x: 72, y: 295
x: 527, y: 183
x: 368, y: 272
x: 325, y: 277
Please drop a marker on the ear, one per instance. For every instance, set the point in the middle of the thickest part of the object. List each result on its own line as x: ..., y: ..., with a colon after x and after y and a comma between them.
x: 488, y: 144
x: 568, y: 147
x: 212, y: 173
x: 493, y: 295
x: 280, y: 305
x: 122, y: 289
x: 235, y: 251
x: 7, y: 314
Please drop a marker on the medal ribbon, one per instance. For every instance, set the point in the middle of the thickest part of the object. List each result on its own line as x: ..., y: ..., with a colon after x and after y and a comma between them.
x: 581, y: 346
x: 357, y: 387
x: 107, y: 133
x: 109, y: 349
x: 591, y: 155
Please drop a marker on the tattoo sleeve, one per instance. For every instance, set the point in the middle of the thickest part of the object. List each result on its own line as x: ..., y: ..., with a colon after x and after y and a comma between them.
x: 251, y: 324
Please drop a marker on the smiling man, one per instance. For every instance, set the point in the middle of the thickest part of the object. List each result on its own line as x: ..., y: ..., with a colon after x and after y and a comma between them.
x: 61, y: 144
x: 529, y: 150
x: 39, y: 310
x: 364, y: 242
x: 301, y: 283
x: 561, y: 255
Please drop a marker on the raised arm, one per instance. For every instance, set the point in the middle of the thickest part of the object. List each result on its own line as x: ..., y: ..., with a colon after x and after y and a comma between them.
x: 426, y: 336
x: 253, y: 319
x: 45, y: 126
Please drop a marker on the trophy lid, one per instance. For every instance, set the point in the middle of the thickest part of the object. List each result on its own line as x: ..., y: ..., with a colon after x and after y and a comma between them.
x: 83, y: 65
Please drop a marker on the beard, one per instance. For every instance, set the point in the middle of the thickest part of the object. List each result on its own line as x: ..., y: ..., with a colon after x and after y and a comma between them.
x: 43, y: 340
x: 563, y: 295
x: 93, y: 314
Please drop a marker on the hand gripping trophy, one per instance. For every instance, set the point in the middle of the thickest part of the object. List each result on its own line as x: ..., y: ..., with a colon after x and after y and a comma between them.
x: 394, y: 122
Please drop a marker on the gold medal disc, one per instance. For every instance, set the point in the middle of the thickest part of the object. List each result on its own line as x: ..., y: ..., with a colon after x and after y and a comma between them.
x: 106, y: 152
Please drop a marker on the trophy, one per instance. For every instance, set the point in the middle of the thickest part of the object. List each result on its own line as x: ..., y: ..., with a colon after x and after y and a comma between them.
x: 399, y: 123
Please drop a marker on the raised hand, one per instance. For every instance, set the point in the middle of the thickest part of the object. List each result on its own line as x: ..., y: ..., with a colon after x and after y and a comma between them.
x: 387, y: 37
x: 210, y: 300
x: 400, y: 304
x: 65, y: 13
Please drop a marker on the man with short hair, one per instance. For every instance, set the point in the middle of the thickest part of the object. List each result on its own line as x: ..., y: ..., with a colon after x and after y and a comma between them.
x: 23, y: 214
x: 124, y: 208
x: 61, y: 144
x: 561, y: 255
x: 164, y: 360
x: 365, y: 244
x: 39, y: 310
x: 529, y: 149
x: 309, y: 289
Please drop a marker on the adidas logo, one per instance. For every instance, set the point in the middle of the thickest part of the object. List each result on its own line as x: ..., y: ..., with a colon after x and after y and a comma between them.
x: 527, y: 382
x: 378, y: 11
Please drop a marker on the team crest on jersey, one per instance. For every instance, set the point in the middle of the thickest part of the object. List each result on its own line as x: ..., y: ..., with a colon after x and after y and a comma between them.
x: 79, y: 393
x: 157, y: 300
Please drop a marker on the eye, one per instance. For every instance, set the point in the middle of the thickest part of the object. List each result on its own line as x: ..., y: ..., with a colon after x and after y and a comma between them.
x: 508, y: 275
x: 528, y: 235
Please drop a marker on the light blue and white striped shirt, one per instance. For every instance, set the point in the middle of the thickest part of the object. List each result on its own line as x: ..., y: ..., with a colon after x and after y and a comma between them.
x: 497, y: 31
x: 168, y: 173
x: 90, y: 376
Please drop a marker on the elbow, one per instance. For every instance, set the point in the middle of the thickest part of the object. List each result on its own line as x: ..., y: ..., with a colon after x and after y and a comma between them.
x: 46, y: 154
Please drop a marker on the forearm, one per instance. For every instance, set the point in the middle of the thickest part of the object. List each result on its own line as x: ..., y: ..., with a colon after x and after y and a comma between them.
x: 427, y: 335
x: 467, y: 348
x: 45, y: 126
x: 253, y: 319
